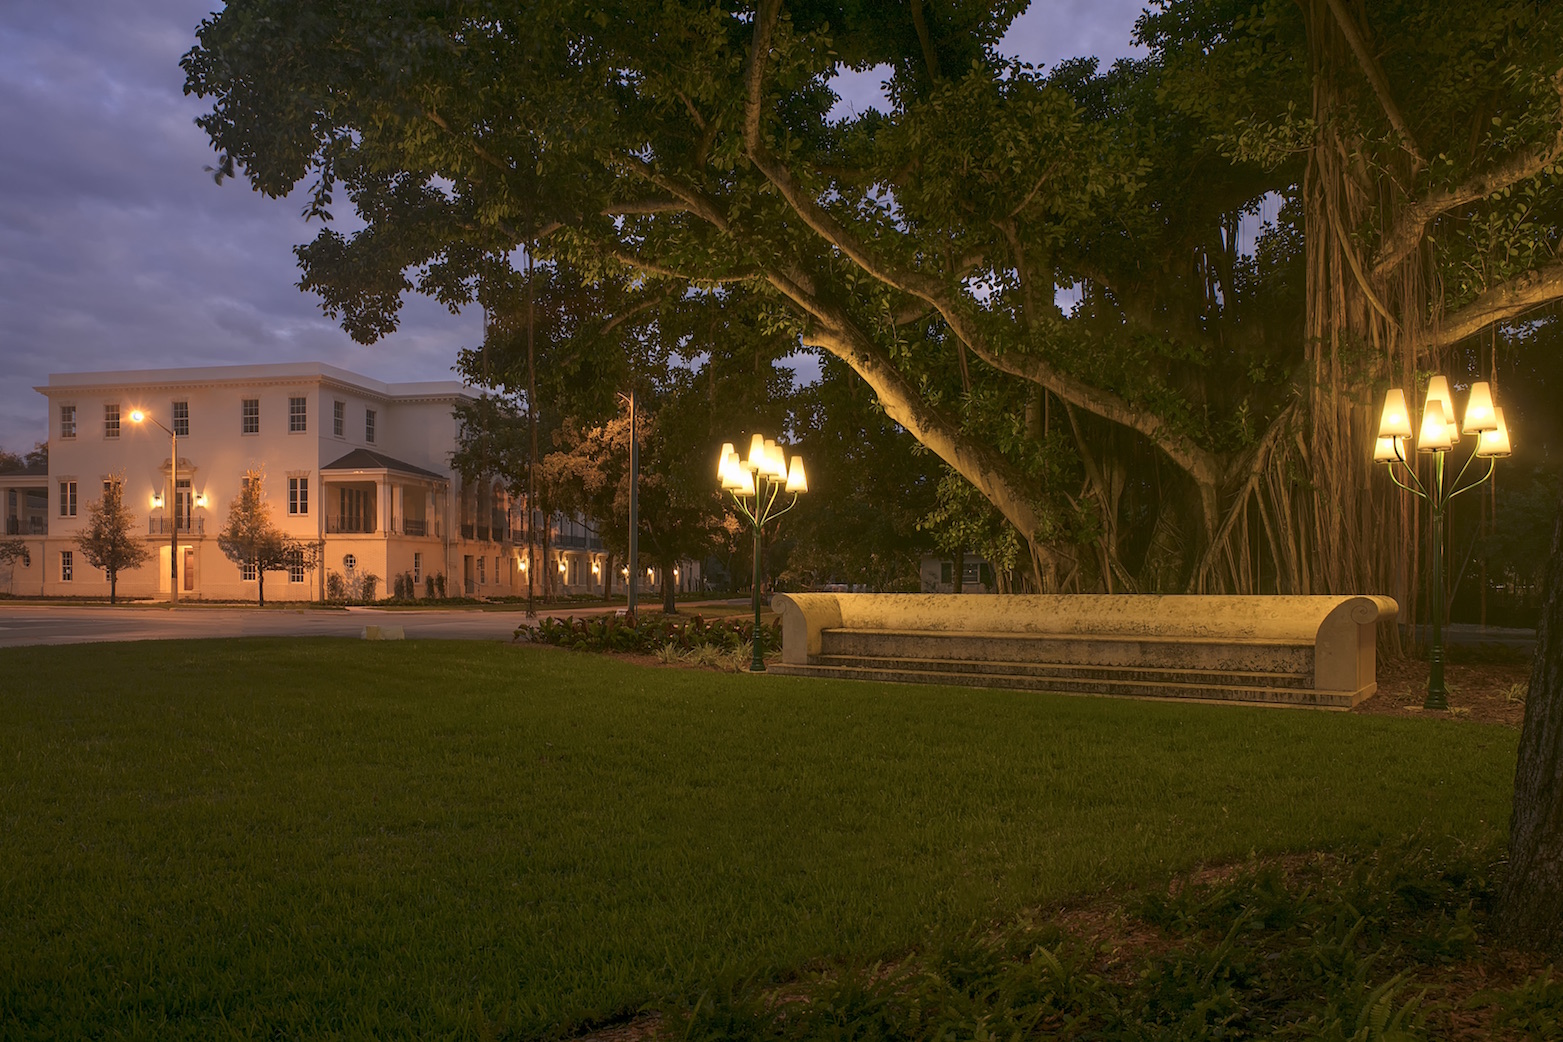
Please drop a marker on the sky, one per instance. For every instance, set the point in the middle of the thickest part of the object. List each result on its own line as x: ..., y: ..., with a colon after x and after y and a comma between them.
x: 118, y: 251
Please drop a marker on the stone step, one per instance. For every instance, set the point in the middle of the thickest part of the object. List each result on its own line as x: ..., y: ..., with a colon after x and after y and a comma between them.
x: 1259, y: 695
x: 1210, y: 677
x: 1149, y: 652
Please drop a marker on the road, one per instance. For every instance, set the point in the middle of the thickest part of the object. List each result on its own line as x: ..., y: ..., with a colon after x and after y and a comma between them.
x: 75, y: 624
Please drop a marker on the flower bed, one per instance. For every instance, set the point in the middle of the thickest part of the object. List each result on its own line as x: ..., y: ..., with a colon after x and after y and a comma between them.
x: 647, y: 633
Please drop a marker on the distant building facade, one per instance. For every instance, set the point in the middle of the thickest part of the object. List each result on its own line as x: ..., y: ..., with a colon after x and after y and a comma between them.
x: 357, y: 468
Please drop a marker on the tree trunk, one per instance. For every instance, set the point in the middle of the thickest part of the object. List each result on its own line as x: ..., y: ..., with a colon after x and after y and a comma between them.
x: 1530, y: 908
x: 260, y: 585
x: 669, y: 591
x: 607, y: 578
x: 958, y: 570
x: 113, y: 587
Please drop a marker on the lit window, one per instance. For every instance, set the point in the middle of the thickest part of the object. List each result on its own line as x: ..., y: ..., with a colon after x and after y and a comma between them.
x: 298, y: 495
x: 67, y: 566
x: 247, y: 571
x: 67, y: 421
x: 338, y: 417
x: 182, y: 419
x: 67, y: 499
x: 296, y: 566
x: 111, y: 420
x: 249, y: 413
x: 369, y: 426
x: 297, y: 415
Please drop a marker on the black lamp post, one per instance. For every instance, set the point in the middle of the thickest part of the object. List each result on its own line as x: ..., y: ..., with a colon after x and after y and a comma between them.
x: 1439, y: 435
x: 756, y: 484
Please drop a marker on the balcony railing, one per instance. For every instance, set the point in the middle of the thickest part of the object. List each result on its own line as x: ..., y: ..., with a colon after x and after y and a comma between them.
x: 165, y: 526
x: 26, y: 526
x: 467, y: 531
x: 483, y: 533
x: 336, y: 524
x: 415, y: 526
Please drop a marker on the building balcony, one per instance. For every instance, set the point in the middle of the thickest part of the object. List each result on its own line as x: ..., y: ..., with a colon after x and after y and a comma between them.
x: 164, y: 526
x: 418, y: 526
x: 336, y: 524
x: 26, y: 526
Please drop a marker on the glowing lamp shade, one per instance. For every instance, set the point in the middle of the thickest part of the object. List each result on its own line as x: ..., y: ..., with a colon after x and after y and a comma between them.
x: 136, y: 416
x: 1396, y: 419
x: 1494, y: 443
x: 1438, y: 391
x: 756, y: 452
x: 721, y: 461
x: 779, y: 464
x: 797, y: 480
x: 745, y: 486
x: 1435, y: 429
x: 770, y: 463
x: 731, y: 471
x: 1479, y: 415
x: 1386, y: 451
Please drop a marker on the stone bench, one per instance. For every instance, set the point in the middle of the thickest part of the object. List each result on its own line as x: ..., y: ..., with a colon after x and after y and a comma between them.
x: 1300, y: 651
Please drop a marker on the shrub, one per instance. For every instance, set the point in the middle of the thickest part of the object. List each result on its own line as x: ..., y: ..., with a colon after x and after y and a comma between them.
x: 411, y: 584
x: 428, y: 586
x: 439, y: 584
x: 399, y: 588
x: 336, y: 586
x: 367, y: 586
x: 650, y: 634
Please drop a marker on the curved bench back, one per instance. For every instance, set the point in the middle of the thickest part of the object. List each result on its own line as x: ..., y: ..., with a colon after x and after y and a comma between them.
x: 1341, y: 629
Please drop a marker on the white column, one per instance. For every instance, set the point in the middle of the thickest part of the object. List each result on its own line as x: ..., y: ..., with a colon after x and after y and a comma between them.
x: 383, y: 505
x: 399, y: 504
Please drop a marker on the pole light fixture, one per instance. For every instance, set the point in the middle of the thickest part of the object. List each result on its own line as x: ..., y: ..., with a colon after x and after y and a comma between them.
x: 1438, y: 435
x: 757, y: 483
x: 140, y: 416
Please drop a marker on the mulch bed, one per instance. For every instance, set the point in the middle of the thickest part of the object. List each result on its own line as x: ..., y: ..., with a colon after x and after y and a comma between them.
x: 1488, y: 687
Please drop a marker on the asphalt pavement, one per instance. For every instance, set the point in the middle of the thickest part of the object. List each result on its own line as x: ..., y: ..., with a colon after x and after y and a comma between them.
x: 77, y: 624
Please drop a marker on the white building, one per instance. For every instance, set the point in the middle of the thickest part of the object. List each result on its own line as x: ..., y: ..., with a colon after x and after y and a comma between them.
x: 357, y: 468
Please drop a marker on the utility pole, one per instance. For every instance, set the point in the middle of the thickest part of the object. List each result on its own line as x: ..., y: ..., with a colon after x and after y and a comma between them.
x: 634, y: 576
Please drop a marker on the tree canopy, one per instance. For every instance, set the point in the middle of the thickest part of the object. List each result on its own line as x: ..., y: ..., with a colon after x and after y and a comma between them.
x: 1039, y: 274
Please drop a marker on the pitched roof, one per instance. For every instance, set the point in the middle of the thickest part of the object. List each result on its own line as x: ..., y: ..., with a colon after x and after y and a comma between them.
x: 367, y: 459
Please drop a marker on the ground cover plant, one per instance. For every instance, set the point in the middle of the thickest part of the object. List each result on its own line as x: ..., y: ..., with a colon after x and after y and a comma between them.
x: 328, y: 838
x: 649, y: 633
x: 1392, y: 944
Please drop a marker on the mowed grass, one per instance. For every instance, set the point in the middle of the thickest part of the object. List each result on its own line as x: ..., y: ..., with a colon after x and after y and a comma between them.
x: 331, y: 838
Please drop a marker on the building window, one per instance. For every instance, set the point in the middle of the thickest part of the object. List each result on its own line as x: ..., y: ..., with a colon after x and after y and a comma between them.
x: 249, y: 412
x: 296, y: 566
x: 298, y: 495
x: 182, y: 419
x: 297, y: 415
x: 369, y: 426
x: 111, y: 420
x: 67, y: 566
x: 482, y: 570
x: 417, y: 567
x: 349, y: 565
x: 338, y: 417
x: 67, y: 421
x: 67, y: 499
x: 247, y: 571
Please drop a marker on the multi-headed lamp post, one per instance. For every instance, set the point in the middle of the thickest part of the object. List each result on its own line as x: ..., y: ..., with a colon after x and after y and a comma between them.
x: 139, y: 416
x: 1439, y: 435
x: 756, y: 484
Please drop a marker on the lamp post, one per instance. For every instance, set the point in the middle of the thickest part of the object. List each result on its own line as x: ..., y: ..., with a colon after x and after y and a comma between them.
x: 756, y: 483
x: 1438, y: 435
x: 138, y: 416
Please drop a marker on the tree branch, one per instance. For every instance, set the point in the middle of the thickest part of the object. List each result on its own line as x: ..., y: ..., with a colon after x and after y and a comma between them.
x: 1406, y: 235
x: 1375, y: 75
x: 1501, y: 303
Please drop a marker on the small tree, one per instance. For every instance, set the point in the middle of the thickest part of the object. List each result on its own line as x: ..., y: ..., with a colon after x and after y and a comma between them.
x: 250, y: 539
x: 109, y: 541
x: 11, y: 551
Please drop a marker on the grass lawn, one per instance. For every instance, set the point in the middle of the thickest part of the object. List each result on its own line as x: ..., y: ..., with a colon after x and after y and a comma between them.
x: 336, y: 838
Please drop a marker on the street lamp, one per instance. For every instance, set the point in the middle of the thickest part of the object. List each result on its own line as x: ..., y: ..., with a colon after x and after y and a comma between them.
x: 1439, y: 434
x: 756, y: 483
x: 138, y: 416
